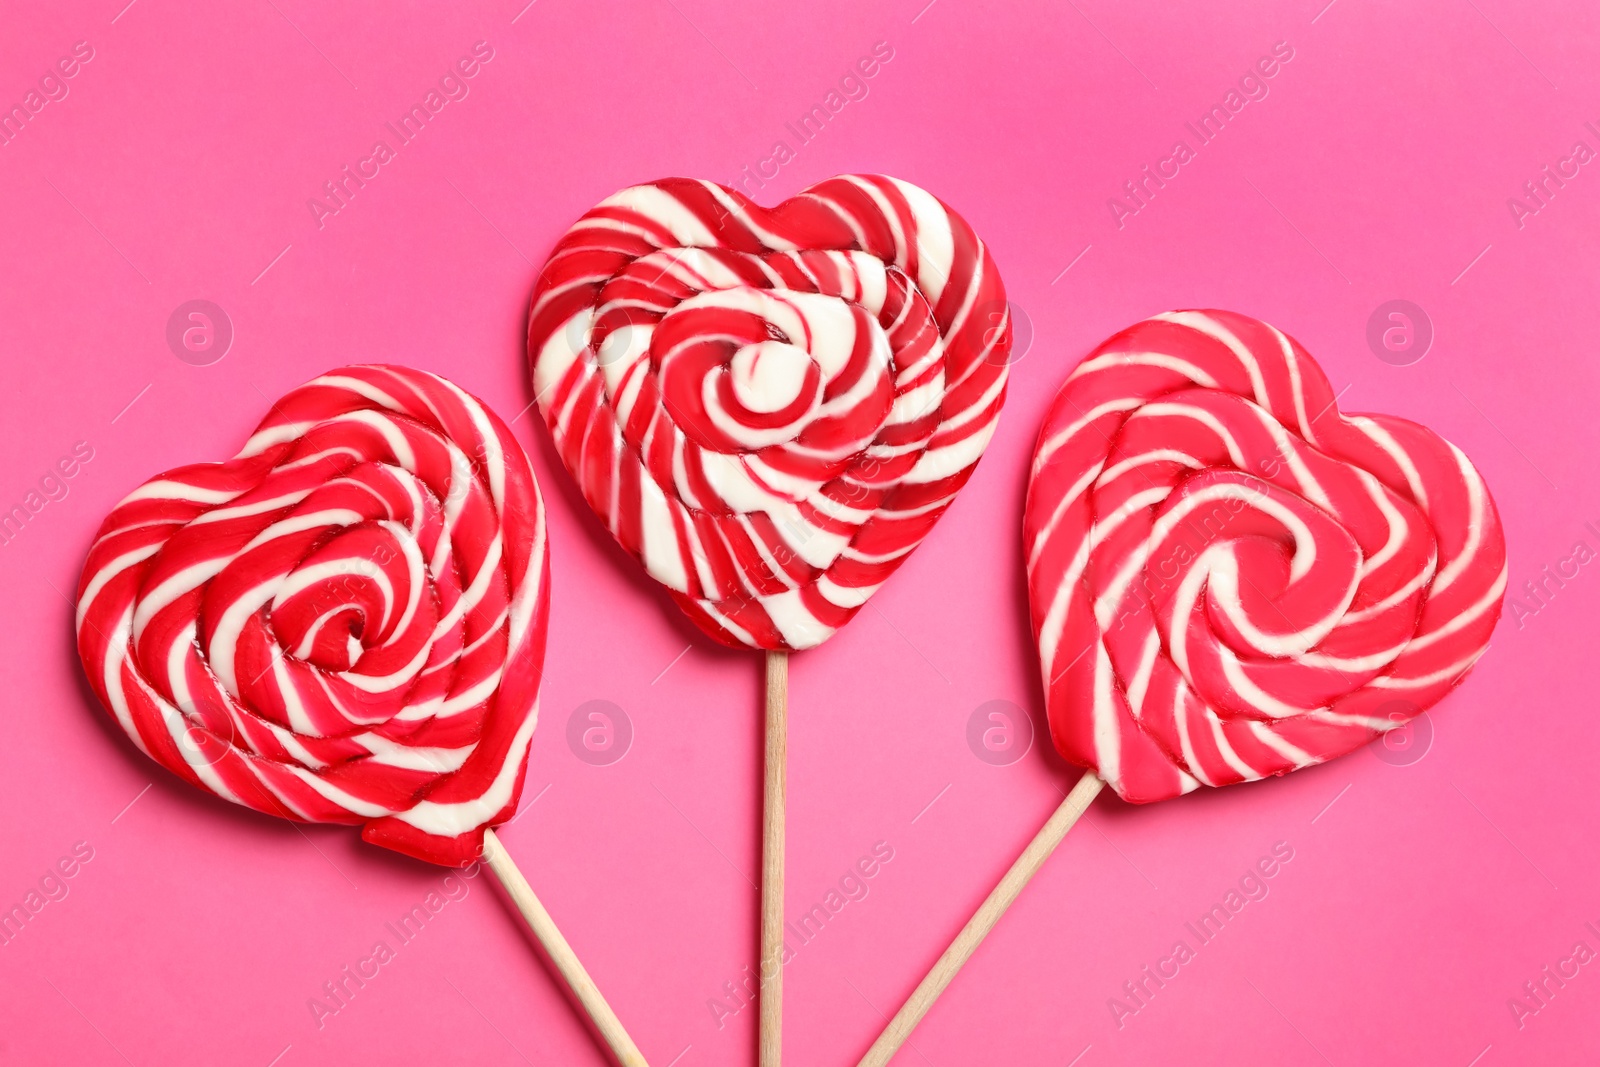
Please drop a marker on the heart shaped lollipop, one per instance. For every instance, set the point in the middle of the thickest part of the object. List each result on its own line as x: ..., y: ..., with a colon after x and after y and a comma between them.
x: 770, y: 408
x: 345, y: 623
x: 1229, y: 579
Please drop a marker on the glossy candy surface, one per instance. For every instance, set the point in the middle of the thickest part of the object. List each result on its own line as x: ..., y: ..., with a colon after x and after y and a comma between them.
x: 770, y: 408
x: 1229, y: 578
x: 344, y: 623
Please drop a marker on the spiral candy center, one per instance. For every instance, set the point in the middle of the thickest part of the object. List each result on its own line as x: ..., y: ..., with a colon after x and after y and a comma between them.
x: 1230, y: 579
x: 342, y: 624
x: 769, y: 408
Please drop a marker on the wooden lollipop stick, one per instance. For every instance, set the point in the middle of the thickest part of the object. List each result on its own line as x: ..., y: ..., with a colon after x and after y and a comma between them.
x: 544, y: 928
x: 772, y: 859
x: 978, y: 927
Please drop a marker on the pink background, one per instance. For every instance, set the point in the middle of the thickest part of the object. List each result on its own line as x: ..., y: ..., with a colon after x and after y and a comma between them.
x: 1378, y: 167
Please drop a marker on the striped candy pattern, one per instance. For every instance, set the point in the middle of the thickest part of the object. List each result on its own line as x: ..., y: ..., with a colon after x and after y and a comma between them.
x: 1229, y: 578
x: 770, y: 408
x: 344, y: 623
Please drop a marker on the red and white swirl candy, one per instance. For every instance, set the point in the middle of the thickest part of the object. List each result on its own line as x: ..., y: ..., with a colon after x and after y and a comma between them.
x: 344, y: 623
x: 770, y: 408
x: 1231, y: 579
